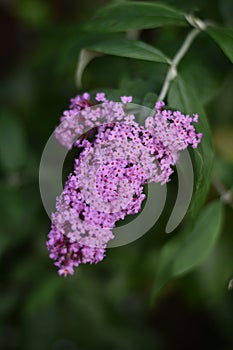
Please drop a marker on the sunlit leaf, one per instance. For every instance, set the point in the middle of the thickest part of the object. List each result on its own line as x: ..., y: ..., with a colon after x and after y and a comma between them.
x: 124, y: 47
x: 135, y: 15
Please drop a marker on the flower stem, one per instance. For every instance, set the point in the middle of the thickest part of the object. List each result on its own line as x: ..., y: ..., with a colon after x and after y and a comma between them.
x: 172, y: 72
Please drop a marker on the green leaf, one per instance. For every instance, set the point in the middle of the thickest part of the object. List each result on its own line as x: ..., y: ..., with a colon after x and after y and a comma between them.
x: 201, y: 241
x: 182, y: 96
x: 137, y: 87
x: 12, y: 143
x: 191, y: 248
x: 135, y: 15
x: 85, y: 57
x: 124, y: 47
x: 112, y: 94
x: 223, y: 170
x: 224, y: 38
x: 205, y: 89
x: 149, y: 100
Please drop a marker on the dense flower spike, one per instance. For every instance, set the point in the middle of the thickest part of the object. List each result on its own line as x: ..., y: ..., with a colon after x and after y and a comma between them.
x: 117, y: 157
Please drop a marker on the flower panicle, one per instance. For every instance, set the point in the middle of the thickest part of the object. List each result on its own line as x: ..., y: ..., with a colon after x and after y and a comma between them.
x: 118, y: 156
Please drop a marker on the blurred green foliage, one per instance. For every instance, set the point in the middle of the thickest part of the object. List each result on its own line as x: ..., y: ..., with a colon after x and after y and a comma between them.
x: 106, y: 306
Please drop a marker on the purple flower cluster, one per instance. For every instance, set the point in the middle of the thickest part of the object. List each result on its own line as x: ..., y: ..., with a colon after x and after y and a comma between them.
x: 117, y: 157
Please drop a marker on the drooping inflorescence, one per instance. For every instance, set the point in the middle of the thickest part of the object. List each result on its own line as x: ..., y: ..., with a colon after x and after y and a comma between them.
x: 118, y: 156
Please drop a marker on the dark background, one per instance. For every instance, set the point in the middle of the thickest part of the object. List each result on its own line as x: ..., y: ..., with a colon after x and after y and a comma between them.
x: 104, y: 306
